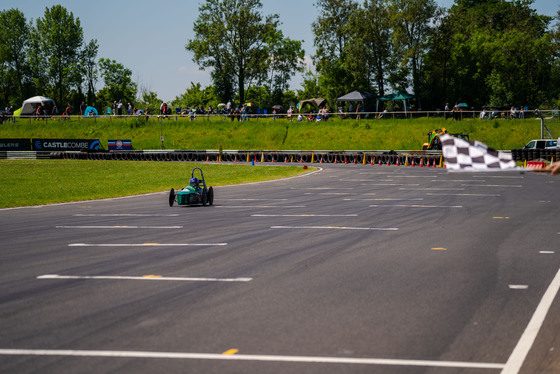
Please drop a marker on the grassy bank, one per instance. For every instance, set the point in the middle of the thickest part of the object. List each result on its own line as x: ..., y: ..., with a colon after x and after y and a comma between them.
x: 38, y: 182
x: 181, y: 133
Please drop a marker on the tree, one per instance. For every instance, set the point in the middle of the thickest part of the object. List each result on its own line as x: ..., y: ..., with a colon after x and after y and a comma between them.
x: 89, y: 69
x: 493, y: 52
x: 14, y: 38
x: 372, y: 50
x: 231, y: 37
x: 58, y: 43
x: 285, y: 58
x: 197, y: 96
x: 332, y: 36
x: 411, y: 31
x: 118, y: 83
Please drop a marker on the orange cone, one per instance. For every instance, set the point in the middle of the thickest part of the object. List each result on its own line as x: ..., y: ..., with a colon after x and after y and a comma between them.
x: 335, y: 157
x: 345, y: 160
x: 434, y: 163
x: 379, y: 161
x: 285, y: 158
x: 412, y: 163
x: 321, y: 160
x: 388, y: 161
x: 235, y: 159
x: 207, y: 158
x: 421, y: 162
x: 398, y: 163
x: 371, y: 161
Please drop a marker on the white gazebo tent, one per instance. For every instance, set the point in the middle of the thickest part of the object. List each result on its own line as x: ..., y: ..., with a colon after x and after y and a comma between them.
x: 30, y: 105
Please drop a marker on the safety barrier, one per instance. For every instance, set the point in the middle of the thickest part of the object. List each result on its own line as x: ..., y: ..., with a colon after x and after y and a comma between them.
x: 397, y: 158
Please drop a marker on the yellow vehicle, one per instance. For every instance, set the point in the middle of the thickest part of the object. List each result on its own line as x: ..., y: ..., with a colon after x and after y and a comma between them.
x: 433, y: 139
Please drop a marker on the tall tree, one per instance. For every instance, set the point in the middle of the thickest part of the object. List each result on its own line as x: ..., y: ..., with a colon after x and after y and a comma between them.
x: 59, y: 39
x: 89, y: 68
x: 14, y: 39
x: 412, y: 28
x: 118, y: 83
x: 231, y: 37
x: 331, y: 39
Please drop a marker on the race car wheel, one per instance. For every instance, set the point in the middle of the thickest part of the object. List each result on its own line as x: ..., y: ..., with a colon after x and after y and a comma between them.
x: 210, y: 196
x: 204, y: 197
x: 171, y: 197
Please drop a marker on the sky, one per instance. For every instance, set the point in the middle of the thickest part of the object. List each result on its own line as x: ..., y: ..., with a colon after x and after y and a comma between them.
x: 149, y: 37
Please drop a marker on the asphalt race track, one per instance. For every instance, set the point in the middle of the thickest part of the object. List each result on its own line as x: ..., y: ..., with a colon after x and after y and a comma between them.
x: 351, y: 269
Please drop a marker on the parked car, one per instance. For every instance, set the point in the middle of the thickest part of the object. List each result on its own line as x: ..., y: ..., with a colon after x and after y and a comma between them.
x: 542, y: 144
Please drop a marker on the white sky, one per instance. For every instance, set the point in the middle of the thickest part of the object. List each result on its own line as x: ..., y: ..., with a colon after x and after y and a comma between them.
x: 149, y: 37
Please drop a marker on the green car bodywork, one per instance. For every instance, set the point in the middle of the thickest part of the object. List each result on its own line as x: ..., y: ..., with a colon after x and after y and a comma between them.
x: 195, y: 193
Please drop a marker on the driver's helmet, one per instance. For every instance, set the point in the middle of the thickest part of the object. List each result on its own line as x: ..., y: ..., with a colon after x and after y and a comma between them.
x: 194, y: 182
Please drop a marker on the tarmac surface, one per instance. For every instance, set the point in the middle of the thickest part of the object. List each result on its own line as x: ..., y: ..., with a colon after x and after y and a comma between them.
x: 350, y: 269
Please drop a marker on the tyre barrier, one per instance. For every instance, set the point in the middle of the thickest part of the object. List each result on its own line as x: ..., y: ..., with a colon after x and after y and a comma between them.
x: 372, y: 158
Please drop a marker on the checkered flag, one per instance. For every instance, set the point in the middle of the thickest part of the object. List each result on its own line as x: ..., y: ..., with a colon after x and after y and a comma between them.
x: 462, y: 155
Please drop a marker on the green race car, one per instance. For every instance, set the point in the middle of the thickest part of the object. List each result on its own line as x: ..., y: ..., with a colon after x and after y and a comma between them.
x: 195, y: 193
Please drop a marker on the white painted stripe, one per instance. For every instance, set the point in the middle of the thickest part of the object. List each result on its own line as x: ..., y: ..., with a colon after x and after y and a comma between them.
x: 259, y: 206
x: 124, y: 215
x: 262, y: 358
x: 321, y: 188
x: 336, y: 228
x: 386, y: 199
x: 253, y: 199
x: 119, y: 227
x: 393, y: 175
x: 304, y: 215
x: 464, y: 194
x: 493, y: 185
x: 526, y: 341
x: 416, y: 206
x: 518, y: 286
x: 389, y: 184
x: 432, y: 189
x: 147, y: 244
x: 156, y: 278
x: 547, y: 252
x: 457, y: 180
x: 326, y: 193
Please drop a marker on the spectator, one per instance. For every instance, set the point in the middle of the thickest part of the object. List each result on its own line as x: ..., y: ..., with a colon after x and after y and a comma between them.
x: 82, y: 108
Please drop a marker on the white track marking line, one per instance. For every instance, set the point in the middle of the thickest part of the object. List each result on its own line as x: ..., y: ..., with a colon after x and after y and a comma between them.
x: 119, y: 227
x: 493, y: 185
x: 304, y: 215
x: 517, y: 357
x: 389, y: 184
x: 123, y: 215
x: 321, y: 188
x: 518, y: 286
x: 415, y: 206
x: 432, y: 189
x: 336, y: 228
x: 253, y: 199
x: 242, y: 357
x: 547, y: 252
x: 386, y: 199
x: 156, y: 278
x: 147, y: 244
x: 464, y: 194
x: 259, y: 206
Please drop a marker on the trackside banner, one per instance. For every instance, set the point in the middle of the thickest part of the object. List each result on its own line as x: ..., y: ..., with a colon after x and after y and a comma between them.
x: 65, y: 144
x: 15, y: 145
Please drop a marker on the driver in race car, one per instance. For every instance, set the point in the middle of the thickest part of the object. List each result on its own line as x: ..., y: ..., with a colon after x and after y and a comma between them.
x: 193, y: 185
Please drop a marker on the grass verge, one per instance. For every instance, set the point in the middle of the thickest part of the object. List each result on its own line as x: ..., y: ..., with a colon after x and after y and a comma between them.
x: 39, y: 182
